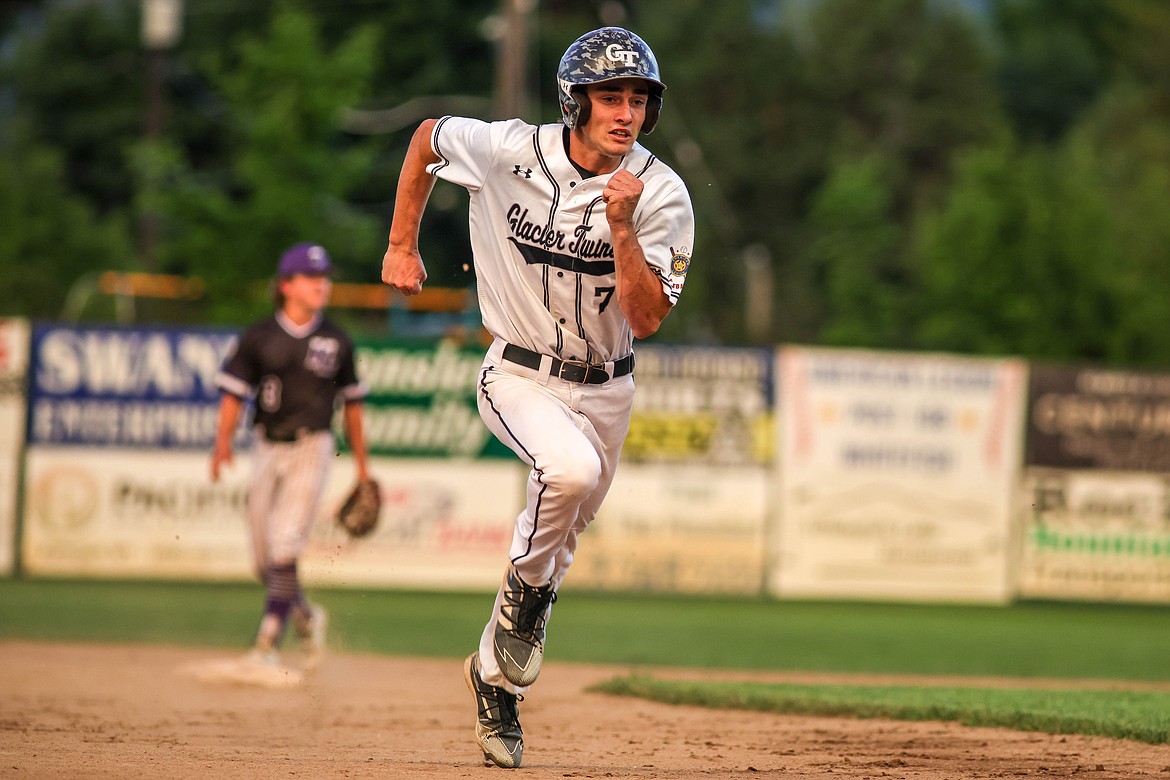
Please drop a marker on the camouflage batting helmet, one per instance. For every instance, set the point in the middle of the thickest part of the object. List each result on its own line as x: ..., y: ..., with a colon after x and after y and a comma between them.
x: 603, y: 55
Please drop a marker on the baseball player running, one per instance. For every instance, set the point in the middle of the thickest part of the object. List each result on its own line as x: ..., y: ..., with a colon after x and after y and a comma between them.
x: 581, y: 240
x: 296, y: 365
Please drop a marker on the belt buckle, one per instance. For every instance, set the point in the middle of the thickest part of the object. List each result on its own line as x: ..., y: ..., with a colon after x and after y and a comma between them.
x: 579, y: 374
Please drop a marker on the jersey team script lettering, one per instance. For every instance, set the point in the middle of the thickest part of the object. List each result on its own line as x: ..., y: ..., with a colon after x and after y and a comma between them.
x: 544, y: 257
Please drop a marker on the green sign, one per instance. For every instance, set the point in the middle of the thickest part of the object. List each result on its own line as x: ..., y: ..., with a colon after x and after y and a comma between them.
x: 422, y: 400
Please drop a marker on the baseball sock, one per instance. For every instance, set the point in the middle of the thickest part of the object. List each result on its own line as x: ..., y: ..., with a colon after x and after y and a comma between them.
x: 281, y: 591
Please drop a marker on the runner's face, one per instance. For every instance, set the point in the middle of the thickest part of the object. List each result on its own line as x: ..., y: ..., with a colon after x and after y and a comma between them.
x: 307, y: 293
x: 616, y: 113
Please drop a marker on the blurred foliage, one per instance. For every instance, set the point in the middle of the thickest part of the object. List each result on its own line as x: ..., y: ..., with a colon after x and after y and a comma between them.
x: 983, y: 176
x: 51, y: 235
x: 1018, y: 257
x: 1056, y: 57
x: 287, y: 173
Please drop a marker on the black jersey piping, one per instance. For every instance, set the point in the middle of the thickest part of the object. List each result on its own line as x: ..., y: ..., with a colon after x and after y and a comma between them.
x: 579, y: 314
x: 673, y: 294
x: 552, y: 212
x: 531, y: 459
x: 444, y: 160
x: 646, y: 167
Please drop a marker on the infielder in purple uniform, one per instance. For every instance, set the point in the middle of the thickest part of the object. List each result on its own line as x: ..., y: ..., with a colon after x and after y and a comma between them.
x: 296, y: 365
x: 581, y: 240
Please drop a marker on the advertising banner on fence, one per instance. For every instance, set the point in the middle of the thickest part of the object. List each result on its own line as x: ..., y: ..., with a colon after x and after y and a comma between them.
x: 125, y: 387
x: 1095, y: 535
x: 422, y: 400
x: 445, y: 524
x: 1081, y: 418
x: 708, y: 405
x: 13, y: 369
x: 897, y: 473
x: 131, y: 513
x: 120, y: 433
x: 687, y: 510
x: 141, y: 387
x: 1095, y: 512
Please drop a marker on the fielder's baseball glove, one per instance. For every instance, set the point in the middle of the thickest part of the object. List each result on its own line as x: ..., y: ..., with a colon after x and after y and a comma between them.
x: 359, y: 514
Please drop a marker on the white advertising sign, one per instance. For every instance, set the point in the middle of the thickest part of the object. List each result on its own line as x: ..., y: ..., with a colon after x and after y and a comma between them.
x: 156, y: 514
x: 897, y: 473
x: 1095, y: 535
x: 133, y: 513
x: 684, y: 528
x: 687, y: 508
x: 13, y: 369
x: 445, y: 524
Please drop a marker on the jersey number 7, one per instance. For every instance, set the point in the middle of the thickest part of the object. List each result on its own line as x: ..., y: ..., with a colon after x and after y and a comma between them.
x: 606, y: 295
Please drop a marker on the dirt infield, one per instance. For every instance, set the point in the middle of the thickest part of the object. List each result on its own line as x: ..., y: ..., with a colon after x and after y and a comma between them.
x: 98, y: 711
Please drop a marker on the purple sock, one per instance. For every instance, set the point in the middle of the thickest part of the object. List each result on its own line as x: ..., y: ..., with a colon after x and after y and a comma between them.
x: 281, y: 592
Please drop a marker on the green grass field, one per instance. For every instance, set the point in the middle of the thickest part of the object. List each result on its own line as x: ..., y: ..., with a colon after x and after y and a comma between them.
x: 1029, y: 640
x: 1138, y: 715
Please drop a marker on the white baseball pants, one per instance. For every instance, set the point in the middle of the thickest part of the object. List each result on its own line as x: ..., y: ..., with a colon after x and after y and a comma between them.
x: 571, y: 434
x: 286, y: 485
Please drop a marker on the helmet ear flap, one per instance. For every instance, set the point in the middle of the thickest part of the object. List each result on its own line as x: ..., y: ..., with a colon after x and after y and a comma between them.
x: 578, y: 94
x: 653, y: 109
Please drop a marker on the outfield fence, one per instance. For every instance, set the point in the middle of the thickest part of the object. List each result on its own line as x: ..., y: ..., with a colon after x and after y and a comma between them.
x: 793, y: 472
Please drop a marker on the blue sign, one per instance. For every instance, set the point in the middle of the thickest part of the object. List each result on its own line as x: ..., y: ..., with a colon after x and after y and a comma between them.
x: 125, y: 387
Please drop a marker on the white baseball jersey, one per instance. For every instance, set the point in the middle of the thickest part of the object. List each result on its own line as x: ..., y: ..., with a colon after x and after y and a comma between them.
x: 544, y: 260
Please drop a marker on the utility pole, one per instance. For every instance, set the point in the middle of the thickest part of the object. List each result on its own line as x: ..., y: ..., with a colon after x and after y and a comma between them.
x: 511, y: 90
x: 757, y: 275
x: 161, y: 24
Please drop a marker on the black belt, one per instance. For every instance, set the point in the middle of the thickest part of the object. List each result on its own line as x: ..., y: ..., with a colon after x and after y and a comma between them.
x: 569, y: 370
x: 286, y: 436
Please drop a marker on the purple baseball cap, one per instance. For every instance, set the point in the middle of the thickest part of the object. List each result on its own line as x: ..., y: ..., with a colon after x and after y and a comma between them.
x: 304, y: 258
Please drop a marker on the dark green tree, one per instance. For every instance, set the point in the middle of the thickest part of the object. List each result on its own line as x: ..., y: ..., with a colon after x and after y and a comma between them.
x: 1056, y: 58
x: 74, y: 75
x: 1124, y: 143
x: 1019, y: 260
x: 905, y: 86
x: 857, y: 249
x: 79, y: 88
x: 824, y: 132
x: 1140, y: 44
x: 290, y: 167
x: 52, y: 236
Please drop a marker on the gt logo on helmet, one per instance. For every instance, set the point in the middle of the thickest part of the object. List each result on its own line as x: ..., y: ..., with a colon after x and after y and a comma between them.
x: 618, y: 54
